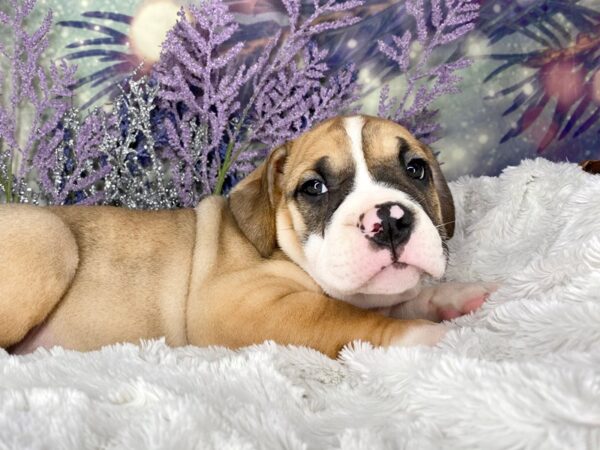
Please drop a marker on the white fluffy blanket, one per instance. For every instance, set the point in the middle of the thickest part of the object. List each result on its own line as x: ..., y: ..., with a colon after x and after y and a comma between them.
x: 523, y: 372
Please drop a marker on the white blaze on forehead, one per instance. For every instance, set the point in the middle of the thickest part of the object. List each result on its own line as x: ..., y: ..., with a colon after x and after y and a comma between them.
x: 354, y: 126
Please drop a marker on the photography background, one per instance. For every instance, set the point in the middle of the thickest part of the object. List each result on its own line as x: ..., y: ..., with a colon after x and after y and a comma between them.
x: 473, y: 125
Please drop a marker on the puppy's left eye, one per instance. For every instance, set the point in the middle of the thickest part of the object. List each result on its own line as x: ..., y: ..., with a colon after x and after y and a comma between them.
x: 417, y: 169
x: 313, y: 187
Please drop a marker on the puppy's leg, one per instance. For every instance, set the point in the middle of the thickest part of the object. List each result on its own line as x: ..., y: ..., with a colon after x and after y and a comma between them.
x: 38, y: 259
x: 252, y: 307
x: 444, y: 301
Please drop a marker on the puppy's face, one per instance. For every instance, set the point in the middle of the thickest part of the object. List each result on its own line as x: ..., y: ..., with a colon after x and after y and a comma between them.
x: 361, y: 206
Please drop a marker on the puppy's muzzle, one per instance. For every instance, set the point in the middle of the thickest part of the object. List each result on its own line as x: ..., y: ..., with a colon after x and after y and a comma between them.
x: 388, y: 225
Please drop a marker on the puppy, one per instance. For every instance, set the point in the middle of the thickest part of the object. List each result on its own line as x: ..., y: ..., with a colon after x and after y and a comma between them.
x: 326, y: 242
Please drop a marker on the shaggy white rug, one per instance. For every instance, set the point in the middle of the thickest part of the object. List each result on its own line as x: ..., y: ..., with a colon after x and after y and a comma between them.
x: 523, y: 372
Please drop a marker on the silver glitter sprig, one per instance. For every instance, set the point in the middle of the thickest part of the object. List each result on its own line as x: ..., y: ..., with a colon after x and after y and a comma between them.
x: 21, y: 190
x: 105, y: 158
x: 139, y: 176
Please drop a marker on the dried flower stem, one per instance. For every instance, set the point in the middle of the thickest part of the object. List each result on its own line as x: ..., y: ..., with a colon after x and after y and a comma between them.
x: 228, y: 161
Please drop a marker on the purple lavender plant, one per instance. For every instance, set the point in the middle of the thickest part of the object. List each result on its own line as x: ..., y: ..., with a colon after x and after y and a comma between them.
x: 36, y: 99
x: 214, y: 131
x: 204, y: 117
x: 50, y: 154
x: 450, y: 20
x: 71, y: 165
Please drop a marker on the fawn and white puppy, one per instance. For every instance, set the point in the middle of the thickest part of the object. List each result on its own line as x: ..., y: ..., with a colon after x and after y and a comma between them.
x: 325, y: 243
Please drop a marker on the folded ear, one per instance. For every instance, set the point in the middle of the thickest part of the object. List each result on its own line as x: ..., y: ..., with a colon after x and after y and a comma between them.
x: 253, y: 201
x: 445, y: 198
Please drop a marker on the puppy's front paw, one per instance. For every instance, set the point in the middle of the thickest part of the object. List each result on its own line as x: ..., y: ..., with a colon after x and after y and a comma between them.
x: 456, y: 299
x: 426, y: 334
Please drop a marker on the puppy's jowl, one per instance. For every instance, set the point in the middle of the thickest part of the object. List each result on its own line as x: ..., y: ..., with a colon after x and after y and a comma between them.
x: 325, y: 243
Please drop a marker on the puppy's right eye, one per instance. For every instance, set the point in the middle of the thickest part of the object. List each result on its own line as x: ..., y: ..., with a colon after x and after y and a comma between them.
x: 417, y: 169
x: 313, y: 188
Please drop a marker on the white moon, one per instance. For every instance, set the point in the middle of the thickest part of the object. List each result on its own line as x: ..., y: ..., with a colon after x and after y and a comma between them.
x: 149, y: 28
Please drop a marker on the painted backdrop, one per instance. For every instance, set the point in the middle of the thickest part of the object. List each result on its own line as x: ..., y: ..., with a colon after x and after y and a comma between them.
x: 531, y: 87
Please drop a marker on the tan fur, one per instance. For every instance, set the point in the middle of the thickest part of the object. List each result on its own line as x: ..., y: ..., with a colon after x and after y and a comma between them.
x: 94, y: 276
x: 327, y: 139
x: 255, y: 200
x: 39, y: 259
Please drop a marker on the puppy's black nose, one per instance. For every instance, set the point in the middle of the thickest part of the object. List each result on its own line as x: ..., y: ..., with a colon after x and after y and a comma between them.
x: 388, y: 225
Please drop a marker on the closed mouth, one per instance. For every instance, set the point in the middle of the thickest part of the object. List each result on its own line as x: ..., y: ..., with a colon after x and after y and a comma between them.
x: 395, y: 264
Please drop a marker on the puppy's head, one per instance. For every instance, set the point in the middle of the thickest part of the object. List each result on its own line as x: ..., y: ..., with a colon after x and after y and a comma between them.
x: 357, y: 202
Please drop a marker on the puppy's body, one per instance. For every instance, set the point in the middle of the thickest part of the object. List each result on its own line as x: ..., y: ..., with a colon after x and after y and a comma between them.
x: 190, y: 276
x: 233, y: 271
x: 125, y: 274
